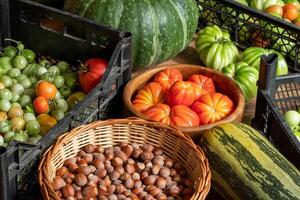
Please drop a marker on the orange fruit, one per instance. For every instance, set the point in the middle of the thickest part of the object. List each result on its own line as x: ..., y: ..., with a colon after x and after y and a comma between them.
x: 290, y: 11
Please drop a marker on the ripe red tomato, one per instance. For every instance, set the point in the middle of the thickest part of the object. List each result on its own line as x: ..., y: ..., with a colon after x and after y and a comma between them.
x: 92, y: 72
x: 203, y: 82
x: 40, y: 105
x: 167, y: 78
x: 199, y: 91
x: 212, y: 107
x: 46, y: 90
x: 181, y: 93
x: 151, y: 94
x: 290, y: 11
x: 183, y: 116
x: 159, y: 112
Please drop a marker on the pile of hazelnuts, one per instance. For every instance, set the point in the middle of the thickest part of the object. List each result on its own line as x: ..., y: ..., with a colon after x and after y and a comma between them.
x: 128, y: 172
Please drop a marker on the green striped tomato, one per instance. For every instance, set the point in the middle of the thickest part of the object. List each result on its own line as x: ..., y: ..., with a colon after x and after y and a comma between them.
x: 215, y: 48
x: 252, y: 56
x: 245, y: 77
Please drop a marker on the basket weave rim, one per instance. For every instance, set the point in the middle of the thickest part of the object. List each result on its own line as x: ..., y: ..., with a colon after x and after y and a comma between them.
x: 45, y: 182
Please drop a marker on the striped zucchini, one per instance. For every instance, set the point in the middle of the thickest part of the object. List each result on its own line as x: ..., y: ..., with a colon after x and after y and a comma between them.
x: 246, y: 166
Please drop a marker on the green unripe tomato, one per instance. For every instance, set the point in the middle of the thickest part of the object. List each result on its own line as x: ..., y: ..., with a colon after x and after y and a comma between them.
x: 20, y: 62
x: 14, y: 72
x: 29, y: 55
x: 6, y: 80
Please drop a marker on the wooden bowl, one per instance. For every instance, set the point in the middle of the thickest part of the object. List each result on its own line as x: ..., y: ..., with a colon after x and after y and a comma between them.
x: 222, y: 83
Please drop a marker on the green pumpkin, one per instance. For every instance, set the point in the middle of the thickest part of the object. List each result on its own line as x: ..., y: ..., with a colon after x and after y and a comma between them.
x: 252, y: 56
x: 263, y: 4
x: 215, y: 48
x: 245, y: 77
x: 161, y: 28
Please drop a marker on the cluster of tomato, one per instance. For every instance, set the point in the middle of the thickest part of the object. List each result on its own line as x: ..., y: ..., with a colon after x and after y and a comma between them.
x: 171, y: 100
x: 289, y: 12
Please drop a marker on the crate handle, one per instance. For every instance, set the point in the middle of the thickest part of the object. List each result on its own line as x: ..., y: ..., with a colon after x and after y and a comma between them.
x: 267, y: 72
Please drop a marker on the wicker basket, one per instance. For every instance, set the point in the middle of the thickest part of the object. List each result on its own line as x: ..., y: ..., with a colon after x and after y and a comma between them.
x: 132, y: 130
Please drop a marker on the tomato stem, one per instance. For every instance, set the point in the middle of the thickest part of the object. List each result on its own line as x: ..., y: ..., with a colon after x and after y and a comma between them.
x: 82, y: 67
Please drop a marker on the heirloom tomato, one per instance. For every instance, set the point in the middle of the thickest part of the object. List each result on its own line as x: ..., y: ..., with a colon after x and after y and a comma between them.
x: 92, y: 72
x: 290, y: 11
x: 167, y: 78
x: 46, y: 90
x: 46, y: 123
x: 198, y: 91
x: 151, y: 94
x: 159, y: 112
x: 41, y: 105
x: 212, y: 107
x: 203, y: 82
x: 183, y: 116
x: 181, y: 93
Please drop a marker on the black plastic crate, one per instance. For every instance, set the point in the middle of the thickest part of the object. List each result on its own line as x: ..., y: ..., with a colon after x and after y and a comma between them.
x: 275, y: 96
x: 20, y: 20
x: 247, y: 25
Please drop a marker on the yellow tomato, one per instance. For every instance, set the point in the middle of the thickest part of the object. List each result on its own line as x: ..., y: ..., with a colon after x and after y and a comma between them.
x: 46, y: 122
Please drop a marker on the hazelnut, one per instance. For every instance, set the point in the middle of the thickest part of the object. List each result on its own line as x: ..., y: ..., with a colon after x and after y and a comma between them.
x: 136, y: 153
x: 120, y: 189
x: 84, y: 169
x: 160, y: 183
x: 78, y: 195
x: 80, y: 179
x: 116, y: 162
x: 148, y: 197
x: 103, y: 198
x: 92, y: 177
x: 173, y: 172
x: 98, y: 164
x: 102, y: 190
x: 129, y: 168
x: 58, y: 183
x: 69, y: 161
x: 121, y: 196
x: 142, y: 194
x: 112, y: 197
x: 88, y: 157
x: 171, y: 198
x: 101, y: 173
x: 130, y: 161
x: 120, y: 169
x: 129, y: 184
x: 155, y: 169
x: 149, y: 164
x: 114, y: 175
x: 81, y: 153
x: 68, y: 180
x: 92, y: 168
x: 147, y: 155
x: 71, y: 198
x: 159, y: 160
x: 128, y: 150
x: 107, y: 181
x: 169, y: 162
x: 137, y: 184
x: 157, y: 151
x: 137, y: 191
x: 125, y: 176
x: 153, y: 191
x: 61, y: 171
x: 148, y: 147
x: 76, y: 187
x: 120, y: 154
x: 89, y: 148
x: 73, y: 167
x: 150, y: 180
x: 68, y: 191
x: 174, y: 191
x: 140, y: 166
x: 188, y: 182
x: 111, y: 189
x: 82, y: 162
x: 135, y: 145
x: 98, y: 156
x: 109, y: 169
x: 164, y: 172
x: 133, y: 197
x: 90, y: 191
x: 69, y: 175
x: 99, y: 149
x: 177, y: 179
x: 116, y: 148
x: 144, y: 175
x: 135, y: 176
x: 161, y: 197
x: 108, y: 153
x: 117, y: 182
x: 127, y: 193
